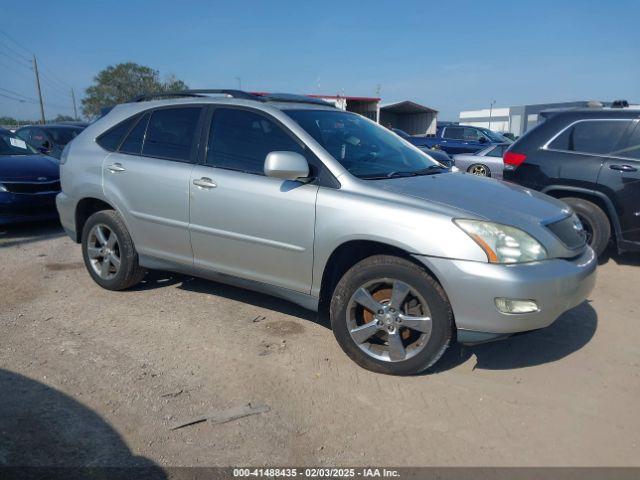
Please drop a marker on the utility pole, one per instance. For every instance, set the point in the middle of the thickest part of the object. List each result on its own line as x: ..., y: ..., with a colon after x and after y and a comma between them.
x: 75, y: 110
x: 35, y: 70
x: 491, y: 112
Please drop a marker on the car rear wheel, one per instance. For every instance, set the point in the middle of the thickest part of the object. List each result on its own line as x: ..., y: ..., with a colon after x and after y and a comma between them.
x: 594, y: 220
x: 390, y: 316
x: 479, y: 169
x: 109, y: 253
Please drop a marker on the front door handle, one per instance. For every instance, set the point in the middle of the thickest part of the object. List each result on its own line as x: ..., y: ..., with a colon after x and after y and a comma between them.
x: 204, y: 182
x: 116, y: 167
x: 623, y: 168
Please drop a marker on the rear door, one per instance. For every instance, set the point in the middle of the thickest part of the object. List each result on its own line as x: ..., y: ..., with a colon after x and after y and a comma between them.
x: 452, y: 140
x: 244, y: 223
x: 147, y: 179
x: 620, y: 179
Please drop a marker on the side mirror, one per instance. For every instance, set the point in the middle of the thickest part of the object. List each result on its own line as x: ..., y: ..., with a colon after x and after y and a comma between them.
x: 483, y: 140
x: 286, y: 165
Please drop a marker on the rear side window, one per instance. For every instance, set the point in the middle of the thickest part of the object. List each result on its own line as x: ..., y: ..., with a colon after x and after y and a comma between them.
x: 593, y: 136
x: 240, y: 140
x: 496, y: 151
x: 111, y: 139
x: 171, y: 132
x: 133, y: 142
x: 455, y: 133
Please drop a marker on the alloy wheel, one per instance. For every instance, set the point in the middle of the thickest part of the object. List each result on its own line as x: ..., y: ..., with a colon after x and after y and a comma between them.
x: 480, y: 170
x: 103, y: 250
x: 389, y: 320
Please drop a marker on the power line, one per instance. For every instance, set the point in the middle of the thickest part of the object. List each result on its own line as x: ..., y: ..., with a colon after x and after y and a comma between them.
x: 13, y: 98
x: 16, y: 93
x: 14, y: 51
x: 14, y: 58
x: 16, y: 42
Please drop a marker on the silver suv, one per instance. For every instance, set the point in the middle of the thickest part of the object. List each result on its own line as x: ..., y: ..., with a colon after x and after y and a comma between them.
x: 287, y: 195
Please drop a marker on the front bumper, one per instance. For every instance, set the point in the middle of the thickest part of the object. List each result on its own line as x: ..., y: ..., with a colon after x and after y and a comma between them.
x: 556, y: 285
x: 17, y: 207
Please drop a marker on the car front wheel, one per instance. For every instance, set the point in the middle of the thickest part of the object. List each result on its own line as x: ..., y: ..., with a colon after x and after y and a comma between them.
x: 479, y: 169
x: 390, y: 316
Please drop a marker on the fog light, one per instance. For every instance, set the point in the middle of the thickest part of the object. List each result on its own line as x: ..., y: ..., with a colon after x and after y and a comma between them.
x: 512, y: 305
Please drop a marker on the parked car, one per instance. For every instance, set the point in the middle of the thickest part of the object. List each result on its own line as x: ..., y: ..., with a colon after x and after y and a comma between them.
x: 326, y: 208
x: 509, y: 135
x: 29, y: 181
x: 436, y: 154
x: 454, y: 138
x: 49, y: 139
x: 590, y: 159
x: 485, y: 163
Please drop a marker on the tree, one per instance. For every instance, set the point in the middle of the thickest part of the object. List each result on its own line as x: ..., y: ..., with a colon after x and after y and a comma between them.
x: 118, y: 83
x: 63, y: 118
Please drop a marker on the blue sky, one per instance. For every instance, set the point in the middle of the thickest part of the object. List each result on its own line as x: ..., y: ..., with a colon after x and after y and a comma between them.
x: 451, y: 56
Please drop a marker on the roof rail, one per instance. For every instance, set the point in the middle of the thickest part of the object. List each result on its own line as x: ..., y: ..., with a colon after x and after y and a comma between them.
x: 195, y: 93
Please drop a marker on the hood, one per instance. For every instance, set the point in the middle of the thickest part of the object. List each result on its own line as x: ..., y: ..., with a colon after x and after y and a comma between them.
x: 24, y: 168
x: 476, y: 196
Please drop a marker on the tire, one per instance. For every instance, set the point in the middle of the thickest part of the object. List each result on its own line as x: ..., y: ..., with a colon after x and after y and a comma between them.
x: 128, y: 272
x: 425, y: 350
x: 595, y: 222
x: 479, y: 169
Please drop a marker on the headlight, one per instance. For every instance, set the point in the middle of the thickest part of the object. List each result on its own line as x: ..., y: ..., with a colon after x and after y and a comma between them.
x: 502, y: 243
x: 3, y: 188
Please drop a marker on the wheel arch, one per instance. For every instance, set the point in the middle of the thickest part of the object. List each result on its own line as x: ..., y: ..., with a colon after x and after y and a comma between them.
x: 599, y: 198
x: 350, y: 252
x: 84, y: 209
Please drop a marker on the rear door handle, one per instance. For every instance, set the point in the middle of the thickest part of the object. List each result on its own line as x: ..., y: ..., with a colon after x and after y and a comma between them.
x: 204, y: 182
x: 116, y: 167
x: 623, y: 168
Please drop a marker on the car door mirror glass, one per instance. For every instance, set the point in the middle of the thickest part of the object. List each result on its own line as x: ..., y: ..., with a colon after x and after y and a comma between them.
x: 286, y: 165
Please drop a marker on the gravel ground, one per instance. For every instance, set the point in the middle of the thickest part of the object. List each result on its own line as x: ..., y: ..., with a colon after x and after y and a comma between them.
x: 92, y: 377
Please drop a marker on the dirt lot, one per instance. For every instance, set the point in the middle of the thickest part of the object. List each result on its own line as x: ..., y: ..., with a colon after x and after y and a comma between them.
x: 89, y: 376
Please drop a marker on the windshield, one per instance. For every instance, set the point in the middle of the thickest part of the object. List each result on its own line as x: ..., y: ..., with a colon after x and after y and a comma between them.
x: 62, y: 136
x: 494, y: 136
x: 364, y: 148
x: 13, y: 145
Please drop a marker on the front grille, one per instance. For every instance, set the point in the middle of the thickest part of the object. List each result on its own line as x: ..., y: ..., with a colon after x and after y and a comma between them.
x: 39, y: 187
x: 570, y: 232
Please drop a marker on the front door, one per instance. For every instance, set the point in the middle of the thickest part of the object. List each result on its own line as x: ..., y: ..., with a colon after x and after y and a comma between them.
x: 147, y: 179
x: 244, y: 223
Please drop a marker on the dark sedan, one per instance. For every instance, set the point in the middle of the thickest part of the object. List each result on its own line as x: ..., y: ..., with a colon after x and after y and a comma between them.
x: 29, y: 181
x: 49, y: 139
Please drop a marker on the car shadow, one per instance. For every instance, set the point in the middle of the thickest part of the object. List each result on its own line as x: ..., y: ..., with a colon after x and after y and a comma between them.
x: 47, y: 434
x: 23, y: 233
x: 626, y: 258
x: 572, y: 331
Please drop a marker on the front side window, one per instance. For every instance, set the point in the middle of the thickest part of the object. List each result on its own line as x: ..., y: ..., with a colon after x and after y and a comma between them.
x: 171, y: 132
x: 240, y: 140
x: 591, y: 136
x: 62, y: 136
x: 631, y: 148
x: 471, y: 135
x: 366, y: 149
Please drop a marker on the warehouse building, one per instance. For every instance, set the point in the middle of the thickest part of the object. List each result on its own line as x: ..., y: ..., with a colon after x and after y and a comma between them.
x: 366, y: 106
x: 516, y: 120
x: 413, y: 118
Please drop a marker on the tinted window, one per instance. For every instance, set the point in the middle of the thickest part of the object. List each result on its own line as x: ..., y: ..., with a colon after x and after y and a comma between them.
x: 600, y: 136
x: 471, y: 134
x: 112, y: 138
x: 133, y: 142
x: 454, y: 133
x: 171, y: 132
x: 631, y: 147
x: 62, y: 136
x: 496, y: 151
x: 240, y: 140
x: 24, y: 134
x: 39, y: 137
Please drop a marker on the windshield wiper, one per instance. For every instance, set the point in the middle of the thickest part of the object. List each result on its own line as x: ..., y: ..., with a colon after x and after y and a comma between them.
x: 423, y: 171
